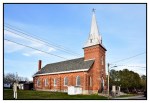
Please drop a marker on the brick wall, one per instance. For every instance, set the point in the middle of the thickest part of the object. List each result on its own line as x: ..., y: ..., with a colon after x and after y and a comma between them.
x: 96, y: 72
x: 98, y: 69
x: 60, y: 81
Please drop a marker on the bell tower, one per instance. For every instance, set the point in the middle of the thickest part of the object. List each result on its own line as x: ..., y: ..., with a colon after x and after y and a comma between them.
x: 94, y: 49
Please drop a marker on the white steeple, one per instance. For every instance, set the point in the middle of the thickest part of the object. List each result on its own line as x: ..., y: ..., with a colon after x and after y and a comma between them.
x: 94, y: 36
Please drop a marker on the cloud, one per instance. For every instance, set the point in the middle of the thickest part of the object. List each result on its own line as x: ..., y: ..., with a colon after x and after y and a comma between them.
x: 11, y: 34
x: 26, y: 54
x: 11, y: 47
x: 51, y: 49
x: 31, y: 53
x: 25, y: 40
x: 36, y: 52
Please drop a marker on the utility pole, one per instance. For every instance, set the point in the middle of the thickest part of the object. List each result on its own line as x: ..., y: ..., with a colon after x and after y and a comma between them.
x: 109, y: 76
x: 108, y: 80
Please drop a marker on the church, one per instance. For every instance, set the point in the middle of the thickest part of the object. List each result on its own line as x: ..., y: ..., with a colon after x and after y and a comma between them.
x: 88, y: 72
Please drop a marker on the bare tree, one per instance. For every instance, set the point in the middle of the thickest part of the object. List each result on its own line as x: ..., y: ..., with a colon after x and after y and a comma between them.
x: 11, y: 77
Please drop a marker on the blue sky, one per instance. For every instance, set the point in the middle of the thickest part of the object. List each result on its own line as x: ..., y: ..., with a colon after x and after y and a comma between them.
x: 122, y: 26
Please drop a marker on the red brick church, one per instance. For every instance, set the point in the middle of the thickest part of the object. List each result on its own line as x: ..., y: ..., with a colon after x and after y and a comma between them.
x: 87, y: 72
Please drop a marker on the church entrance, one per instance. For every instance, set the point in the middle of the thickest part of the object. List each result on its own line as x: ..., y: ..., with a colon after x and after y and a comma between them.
x: 101, y: 85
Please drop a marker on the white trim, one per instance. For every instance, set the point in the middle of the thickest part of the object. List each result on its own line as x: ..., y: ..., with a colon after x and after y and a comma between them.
x: 55, y: 82
x: 102, y: 81
x: 90, y: 81
x: 102, y: 60
x: 89, y: 59
x: 63, y: 72
x: 78, y: 77
x: 38, y: 82
x: 46, y: 82
x: 65, y: 81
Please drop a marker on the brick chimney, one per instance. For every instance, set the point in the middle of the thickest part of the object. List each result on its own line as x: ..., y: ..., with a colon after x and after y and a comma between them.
x: 39, y: 65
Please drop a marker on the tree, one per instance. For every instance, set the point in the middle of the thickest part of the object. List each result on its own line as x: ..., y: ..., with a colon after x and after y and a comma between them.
x: 143, y: 77
x: 128, y: 80
x: 143, y: 82
x: 114, y: 78
x: 11, y: 77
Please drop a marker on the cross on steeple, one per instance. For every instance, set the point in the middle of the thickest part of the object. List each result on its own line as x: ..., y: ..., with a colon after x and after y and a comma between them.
x: 93, y: 10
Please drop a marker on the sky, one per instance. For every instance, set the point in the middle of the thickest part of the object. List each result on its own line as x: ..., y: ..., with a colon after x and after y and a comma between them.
x: 122, y: 27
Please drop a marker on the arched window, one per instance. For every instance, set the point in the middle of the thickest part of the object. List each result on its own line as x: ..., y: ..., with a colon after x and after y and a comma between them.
x: 38, y: 82
x: 102, y: 72
x: 46, y: 82
x: 55, y: 82
x: 90, y: 40
x: 102, y: 84
x: 78, y: 81
x: 102, y: 60
x: 90, y: 81
x: 65, y: 81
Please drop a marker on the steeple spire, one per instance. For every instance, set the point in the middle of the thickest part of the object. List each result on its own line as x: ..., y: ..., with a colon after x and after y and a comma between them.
x: 94, y: 36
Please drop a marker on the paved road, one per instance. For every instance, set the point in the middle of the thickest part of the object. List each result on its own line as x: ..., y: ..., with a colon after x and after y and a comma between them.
x: 133, y: 97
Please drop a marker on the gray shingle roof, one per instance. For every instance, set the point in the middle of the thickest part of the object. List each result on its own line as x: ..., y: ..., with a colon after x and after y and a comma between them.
x: 69, y: 65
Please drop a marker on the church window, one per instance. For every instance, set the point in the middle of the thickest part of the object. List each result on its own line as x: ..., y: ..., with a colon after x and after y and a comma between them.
x: 38, y: 82
x: 102, y: 60
x: 90, y: 40
x: 102, y: 71
x: 46, y: 82
x: 55, y: 82
x: 78, y: 81
x: 65, y: 81
x: 102, y: 83
x: 90, y: 81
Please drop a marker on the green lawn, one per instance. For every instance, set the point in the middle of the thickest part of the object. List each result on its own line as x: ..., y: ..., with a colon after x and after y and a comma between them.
x: 31, y: 94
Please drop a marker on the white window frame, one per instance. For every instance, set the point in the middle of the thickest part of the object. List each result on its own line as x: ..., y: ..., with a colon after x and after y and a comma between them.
x: 55, y: 82
x: 38, y: 82
x: 102, y: 80
x: 46, y: 82
x: 65, y: 84
x: 90, y: 81
x: 102, y: 60
x: 78, y: 77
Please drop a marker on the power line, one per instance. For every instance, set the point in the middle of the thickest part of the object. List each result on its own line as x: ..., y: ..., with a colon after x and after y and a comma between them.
x: 43, y: 41
x: 36, y: 40
x: 128, y: 58
x: 34, y: 48
x: 27, y: 37
x: 40, y: 50
x: 129, y: 66
x: 21, y: 31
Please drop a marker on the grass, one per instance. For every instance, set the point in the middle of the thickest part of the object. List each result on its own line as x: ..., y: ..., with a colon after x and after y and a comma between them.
x: 33, y: 95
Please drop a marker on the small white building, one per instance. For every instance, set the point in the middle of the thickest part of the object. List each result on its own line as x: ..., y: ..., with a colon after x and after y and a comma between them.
x: 74, y: 90
x: 7, y: 85
x: 21, y: 85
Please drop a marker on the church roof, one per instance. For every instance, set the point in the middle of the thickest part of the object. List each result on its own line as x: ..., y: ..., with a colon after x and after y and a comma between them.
x: 66, y: 66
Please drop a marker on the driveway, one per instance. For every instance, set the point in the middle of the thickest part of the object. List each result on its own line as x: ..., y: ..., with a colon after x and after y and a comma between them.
x: 133, y: 97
